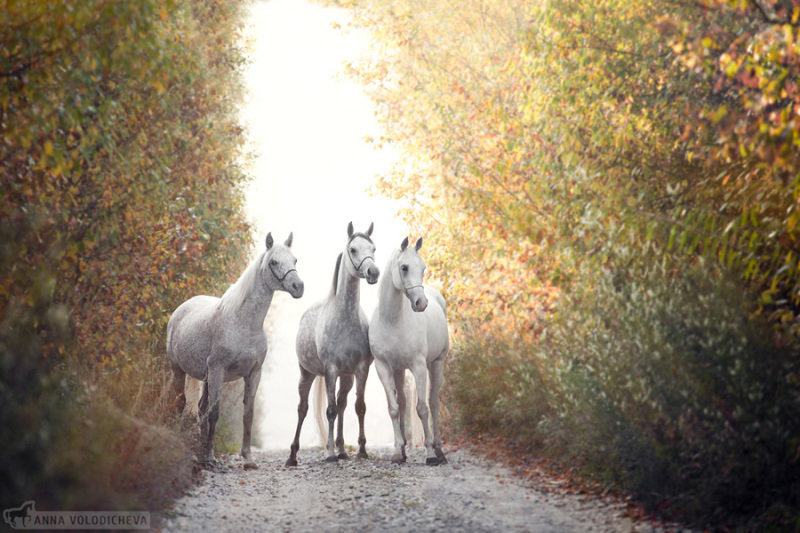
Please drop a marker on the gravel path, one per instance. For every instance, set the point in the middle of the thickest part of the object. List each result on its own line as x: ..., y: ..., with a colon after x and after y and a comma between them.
x: 467, y: 494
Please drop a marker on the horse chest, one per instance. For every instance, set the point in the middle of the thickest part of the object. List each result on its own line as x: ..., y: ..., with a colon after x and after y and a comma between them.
x: 403, y: 342
x: 343, y: 343
x: 238, y: 352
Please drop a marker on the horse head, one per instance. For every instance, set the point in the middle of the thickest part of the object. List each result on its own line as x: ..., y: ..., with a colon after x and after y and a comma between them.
x: 361, y: 251
x: 407, y: 272
x: 278, y: 267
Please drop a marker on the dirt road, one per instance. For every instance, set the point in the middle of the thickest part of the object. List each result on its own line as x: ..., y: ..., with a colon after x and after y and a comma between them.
x: 467, y: 494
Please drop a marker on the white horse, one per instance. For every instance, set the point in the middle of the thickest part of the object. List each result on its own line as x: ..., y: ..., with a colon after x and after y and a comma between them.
x: 332, y: 342
x: 222, y: 339
x: 414, y: 337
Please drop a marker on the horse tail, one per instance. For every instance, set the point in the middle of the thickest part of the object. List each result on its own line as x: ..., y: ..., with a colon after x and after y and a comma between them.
x: 336, y: 275
x: 320, y: 408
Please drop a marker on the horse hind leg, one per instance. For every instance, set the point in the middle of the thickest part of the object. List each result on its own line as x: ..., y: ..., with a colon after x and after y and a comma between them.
x: 209, y: 407
x: 303, y: 388
x: 436, y: 371
x: 345, y: 385
x: 420, y: 371
x: 202, y: 416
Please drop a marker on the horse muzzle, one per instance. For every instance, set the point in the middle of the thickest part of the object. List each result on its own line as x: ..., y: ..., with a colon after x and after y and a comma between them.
x: 372, y: 274
x: 294, y: 285
x: 419, y: 305
x: 416, y: 296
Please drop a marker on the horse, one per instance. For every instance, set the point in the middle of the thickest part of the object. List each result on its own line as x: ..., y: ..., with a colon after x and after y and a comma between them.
x: 414, y: 337
x: 216, y: 340
x: 332, y: 342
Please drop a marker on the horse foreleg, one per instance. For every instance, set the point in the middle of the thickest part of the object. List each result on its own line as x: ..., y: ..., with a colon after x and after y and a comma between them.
x: 345, y: 384
x: 387, y: 379
x: 306, y: 379
x: 331, y: 412
x: 436, y: 372
x: 214, y: 386
x: 250, y: 388
x: 399, y: 383
x: 361, y: 410
x: 420, y: 372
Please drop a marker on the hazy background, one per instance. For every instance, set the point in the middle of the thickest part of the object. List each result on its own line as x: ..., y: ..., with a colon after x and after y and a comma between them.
x: 307, y: 125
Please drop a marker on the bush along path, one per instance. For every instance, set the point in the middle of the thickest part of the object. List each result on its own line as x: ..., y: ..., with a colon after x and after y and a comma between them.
x: 469, y: 493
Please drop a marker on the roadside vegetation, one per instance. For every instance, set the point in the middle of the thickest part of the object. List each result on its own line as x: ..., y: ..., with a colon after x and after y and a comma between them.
x: 609, y: 193
x: 121, y: 196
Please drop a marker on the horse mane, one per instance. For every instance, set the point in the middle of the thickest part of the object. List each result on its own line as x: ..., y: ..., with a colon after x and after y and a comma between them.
x: 236, y: 293
x: 336, y: 275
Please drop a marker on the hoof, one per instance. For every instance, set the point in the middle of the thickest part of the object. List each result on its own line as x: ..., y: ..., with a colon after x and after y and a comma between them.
x: 250, y: 466
x: 398, y: 459
x: 362, y: 455
x: 331, y: 459
x: 291, y: 462
x: 433, y: 461
x: 344, y: 456
x: 440, y: 456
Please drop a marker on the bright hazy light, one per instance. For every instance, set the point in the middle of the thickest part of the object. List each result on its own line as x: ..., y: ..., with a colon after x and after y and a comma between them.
x: 307, y: 125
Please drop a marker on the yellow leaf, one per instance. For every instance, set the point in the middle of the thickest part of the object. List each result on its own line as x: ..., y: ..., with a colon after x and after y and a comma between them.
x: 48, y: 148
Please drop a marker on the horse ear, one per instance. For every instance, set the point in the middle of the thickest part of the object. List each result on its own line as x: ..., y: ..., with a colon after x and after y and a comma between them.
x: 288, y: 242
x: 350, y: 229
x: 419, y: 244
x: 404, y: 244
x: 371, y: 227
x: 270, y: 242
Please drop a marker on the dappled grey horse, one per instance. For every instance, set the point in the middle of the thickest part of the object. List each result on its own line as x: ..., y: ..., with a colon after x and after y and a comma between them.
x: 215, y: 340
x: 332, y: 342
x: 408, y: 330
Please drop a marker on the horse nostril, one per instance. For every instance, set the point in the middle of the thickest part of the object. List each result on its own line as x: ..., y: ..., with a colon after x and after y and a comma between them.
x: 298, y: 287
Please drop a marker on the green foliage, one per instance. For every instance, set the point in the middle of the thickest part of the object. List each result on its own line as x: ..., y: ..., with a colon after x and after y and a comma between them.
x: 666, y: 384
x: 495, y: 389
x: 120, y: 197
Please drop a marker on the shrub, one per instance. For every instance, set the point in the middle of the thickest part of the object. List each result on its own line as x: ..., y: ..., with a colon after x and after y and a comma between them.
x: 667, y: 384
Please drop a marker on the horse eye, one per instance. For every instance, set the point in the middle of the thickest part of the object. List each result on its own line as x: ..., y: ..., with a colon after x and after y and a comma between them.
x: 352, y: 250
x: 273, y: 262
x: 404, y: 268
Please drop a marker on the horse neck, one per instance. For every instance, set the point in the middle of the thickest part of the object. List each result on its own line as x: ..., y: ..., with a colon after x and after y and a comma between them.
x: 249, y: 299
x: 390, y: 299
x: 348, y: 289
x: 255, y: 305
